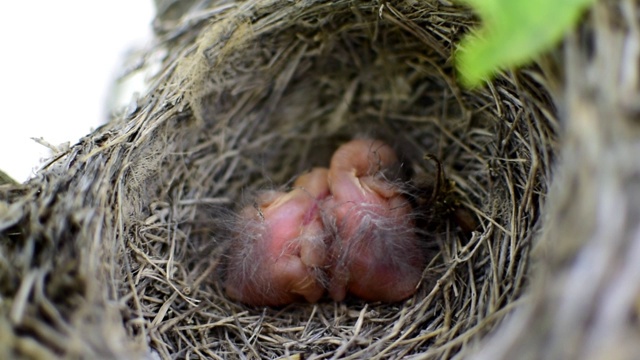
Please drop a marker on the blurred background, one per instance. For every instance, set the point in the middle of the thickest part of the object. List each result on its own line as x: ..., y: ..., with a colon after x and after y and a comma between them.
x: 58, y: 62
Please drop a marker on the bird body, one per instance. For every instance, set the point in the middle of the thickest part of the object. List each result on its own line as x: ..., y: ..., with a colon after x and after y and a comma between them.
x: 345, y: 229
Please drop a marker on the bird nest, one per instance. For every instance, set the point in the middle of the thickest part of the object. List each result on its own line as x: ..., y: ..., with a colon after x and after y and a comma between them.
x: 113, y: 249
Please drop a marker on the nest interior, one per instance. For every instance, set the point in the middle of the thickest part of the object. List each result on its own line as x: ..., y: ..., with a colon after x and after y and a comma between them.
x: 113, y: 249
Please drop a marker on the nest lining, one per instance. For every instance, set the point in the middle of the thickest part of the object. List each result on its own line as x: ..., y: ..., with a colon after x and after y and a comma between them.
x: 250, y: 95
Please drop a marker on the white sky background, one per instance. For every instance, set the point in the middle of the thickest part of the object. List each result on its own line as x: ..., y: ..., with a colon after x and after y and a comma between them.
x: 58, y: 60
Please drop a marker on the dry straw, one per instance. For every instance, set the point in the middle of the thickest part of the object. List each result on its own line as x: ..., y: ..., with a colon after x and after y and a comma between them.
x: 112, y: 249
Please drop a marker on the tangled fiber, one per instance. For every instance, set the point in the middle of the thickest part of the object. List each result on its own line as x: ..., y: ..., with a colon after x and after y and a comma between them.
x: 113, y: 249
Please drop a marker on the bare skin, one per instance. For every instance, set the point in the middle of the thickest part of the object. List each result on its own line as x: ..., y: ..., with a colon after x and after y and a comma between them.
x: 285, y: 254
x: 346, y: 229
x: 375, y: 254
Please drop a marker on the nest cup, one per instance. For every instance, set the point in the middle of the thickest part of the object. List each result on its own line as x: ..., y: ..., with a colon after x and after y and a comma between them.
x: 113, y: 249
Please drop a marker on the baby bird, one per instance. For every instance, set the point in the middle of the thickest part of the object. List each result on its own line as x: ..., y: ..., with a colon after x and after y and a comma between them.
x: 282, y: 257
x: 375, y: 253
x: 346, y: 229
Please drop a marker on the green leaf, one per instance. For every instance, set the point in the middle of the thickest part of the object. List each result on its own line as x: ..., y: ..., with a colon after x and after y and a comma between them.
x: 514, y: 32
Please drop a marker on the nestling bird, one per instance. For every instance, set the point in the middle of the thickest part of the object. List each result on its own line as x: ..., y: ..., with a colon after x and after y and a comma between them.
x: 375, y: 253
x: 280, y: 253
x: 346, y: 229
